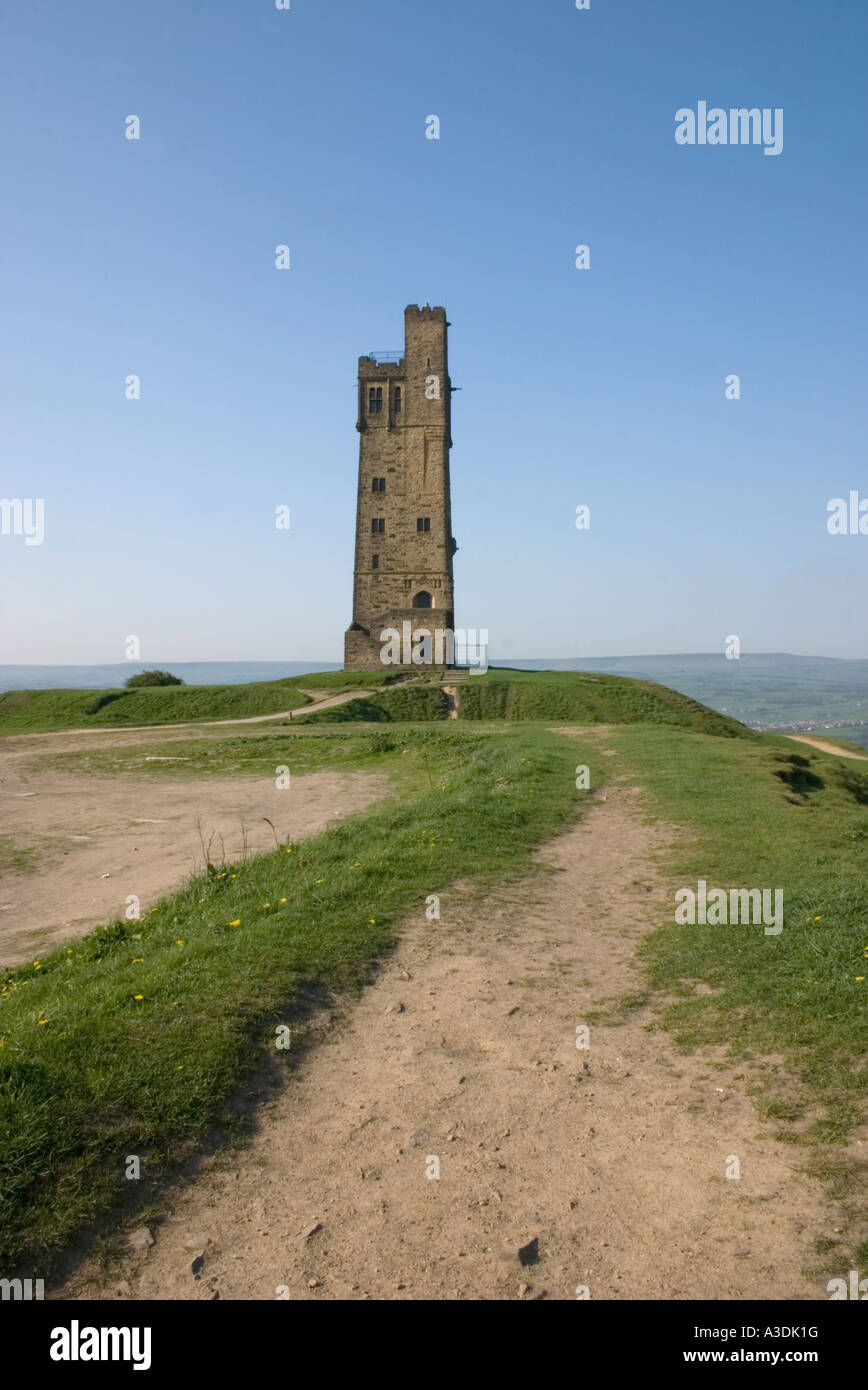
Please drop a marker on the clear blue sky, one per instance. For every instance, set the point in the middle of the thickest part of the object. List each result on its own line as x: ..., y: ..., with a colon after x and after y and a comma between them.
x: 603, y: 387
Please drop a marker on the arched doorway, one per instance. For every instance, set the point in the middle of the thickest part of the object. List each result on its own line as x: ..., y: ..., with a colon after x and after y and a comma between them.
x: 422, y: 599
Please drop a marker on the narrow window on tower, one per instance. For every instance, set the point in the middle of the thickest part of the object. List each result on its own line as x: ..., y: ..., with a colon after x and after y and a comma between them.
x: 375, y: 400
x: 378, y: 524
x: 378, y: 485
x: 423, y: 523
x: 397, y: 400
x: 375, y: 562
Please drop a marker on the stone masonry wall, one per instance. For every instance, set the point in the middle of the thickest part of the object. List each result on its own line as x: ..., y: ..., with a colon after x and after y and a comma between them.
x: 409, y: 448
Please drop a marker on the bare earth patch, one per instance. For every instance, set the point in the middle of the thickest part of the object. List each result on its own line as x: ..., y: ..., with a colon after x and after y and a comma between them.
x: 826, y: 747
x: 99, y: 840
x: 464, y: 1050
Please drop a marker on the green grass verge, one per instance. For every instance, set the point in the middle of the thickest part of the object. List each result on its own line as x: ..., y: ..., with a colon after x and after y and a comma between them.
x: 242, y: 755
x: 17, y: 857
x: 24, y: 711
x: 776, y: 815
x: 536, y: 695
x: 496, y: 695
x: 45, y: 711
x: 133, y: 1040
x: 519, y: 696
x: 333, y: 682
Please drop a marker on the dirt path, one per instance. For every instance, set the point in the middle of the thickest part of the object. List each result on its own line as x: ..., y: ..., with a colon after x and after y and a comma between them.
x: 464, y: 1051
x: 825, y: 747
x: 327, y: 702
x: 97, y: 839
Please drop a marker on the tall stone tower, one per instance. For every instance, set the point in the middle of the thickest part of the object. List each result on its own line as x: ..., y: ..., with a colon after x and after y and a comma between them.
x: 404, y: 545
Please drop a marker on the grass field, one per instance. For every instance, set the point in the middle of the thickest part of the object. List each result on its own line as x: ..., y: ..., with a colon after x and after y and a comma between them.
x: 520, y: 696
x: 250, y: 754
x: 34, y: 711
x: 498, y: 694
x: 43, y: 711
x: 764, y: 690
x: 772, y: 814
x: 133, y: 1040
x: 16, y: 858
x: 584, y: 699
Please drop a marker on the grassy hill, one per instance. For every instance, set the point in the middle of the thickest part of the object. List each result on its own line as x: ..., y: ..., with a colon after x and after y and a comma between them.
x: 500, y: 694
x: 771, y: 690
x: 762, y: 690
x: 518, y: 696
x: 42, y: 711
x: 25, y: 711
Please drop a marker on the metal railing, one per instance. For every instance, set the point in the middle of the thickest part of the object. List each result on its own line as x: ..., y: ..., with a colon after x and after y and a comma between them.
x: 386, y: 356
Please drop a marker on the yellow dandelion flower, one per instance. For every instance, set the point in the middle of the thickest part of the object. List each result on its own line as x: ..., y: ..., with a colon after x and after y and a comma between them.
x: 372, y: 920
x: 36, y: 965
x: 234, y: 875
x: 236, y: 923
x: 283, y: 900
x: 179, y: 942
x: 138, y: 996
x: 138, y: 960
x: 860, y: 977
x: 42, y: 1020
x: 180, y: 1066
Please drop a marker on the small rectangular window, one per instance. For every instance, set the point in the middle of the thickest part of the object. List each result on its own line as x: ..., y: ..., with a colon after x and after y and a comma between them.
x: 375, y: 400
x: 378, y: 485
x: 397, y: 400
x: 378, y: 524
x: 375, y: 562
x: 423, y: 523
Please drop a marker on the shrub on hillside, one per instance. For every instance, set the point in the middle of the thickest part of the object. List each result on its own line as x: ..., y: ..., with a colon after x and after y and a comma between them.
x: 152, y: 678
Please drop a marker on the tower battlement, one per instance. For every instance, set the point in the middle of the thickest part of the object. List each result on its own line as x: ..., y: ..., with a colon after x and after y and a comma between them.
x: 404, y: 544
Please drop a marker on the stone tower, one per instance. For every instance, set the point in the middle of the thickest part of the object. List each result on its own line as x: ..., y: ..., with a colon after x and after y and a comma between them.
x: 404, y: 545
